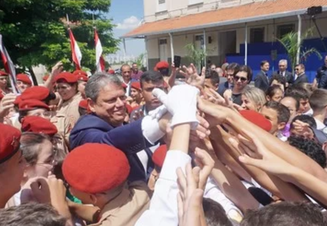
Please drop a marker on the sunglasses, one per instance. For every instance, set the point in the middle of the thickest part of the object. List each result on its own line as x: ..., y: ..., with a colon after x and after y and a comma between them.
x: 236, y: 78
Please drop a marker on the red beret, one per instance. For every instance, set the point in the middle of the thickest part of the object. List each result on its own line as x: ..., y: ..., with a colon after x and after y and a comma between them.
x: 31, y: 104
x: 36, y: 124
x: 136, y: 85
x: 9, y: 142
x: 24, y: 78
x: 66, y: 77
x: 80, y: 72
x: 84, y: 104
x: 159, y: 155
x: 111, y: 72
x: 162, y: 65
x: 35, y: 92
x: 45, y: 78
x: 3, y: 73
x: 94, y: 168
x: 257, y: 119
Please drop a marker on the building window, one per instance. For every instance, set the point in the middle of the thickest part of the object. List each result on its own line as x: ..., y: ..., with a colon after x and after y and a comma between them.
x: 285, y: 29
x: 161, y: 5
x: 194, y: 2
x: 257, y: 35
x: 163, y: 52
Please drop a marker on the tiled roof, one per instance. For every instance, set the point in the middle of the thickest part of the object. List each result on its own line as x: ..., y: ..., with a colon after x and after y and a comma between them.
x: 252, y: 10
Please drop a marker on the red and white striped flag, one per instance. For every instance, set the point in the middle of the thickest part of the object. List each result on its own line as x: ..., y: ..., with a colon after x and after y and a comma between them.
x: 9, y: 66
x: 100, y: 62
x: 76, y: 52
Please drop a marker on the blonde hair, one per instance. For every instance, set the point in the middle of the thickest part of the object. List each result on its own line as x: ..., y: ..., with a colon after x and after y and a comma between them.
x: 255, y: 94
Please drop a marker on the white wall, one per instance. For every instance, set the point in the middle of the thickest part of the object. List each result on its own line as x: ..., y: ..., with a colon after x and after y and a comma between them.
x: 177, y: 8
x: 182, y: 39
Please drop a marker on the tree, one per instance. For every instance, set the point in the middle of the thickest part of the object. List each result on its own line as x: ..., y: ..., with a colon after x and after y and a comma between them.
x: 35, y: 32
x: 291, y: 45
x: 196, y: 56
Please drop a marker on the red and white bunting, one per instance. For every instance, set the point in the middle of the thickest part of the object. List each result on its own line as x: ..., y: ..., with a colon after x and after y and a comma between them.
x: 9, y: 66
x: 76, y: 52
x: 100, y: 62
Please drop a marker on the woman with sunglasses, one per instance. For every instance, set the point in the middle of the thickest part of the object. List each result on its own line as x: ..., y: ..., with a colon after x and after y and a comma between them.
x: 240, y: 80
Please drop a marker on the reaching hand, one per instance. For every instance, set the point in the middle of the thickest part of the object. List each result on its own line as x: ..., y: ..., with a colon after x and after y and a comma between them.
x: 181, y: 102
x: 58, y: 68
x: 192, y: 77
x: 214, y: 114
x: 190, y: 197
x: 206, y: 164
x: 256, y: 154
x: 6, y: 103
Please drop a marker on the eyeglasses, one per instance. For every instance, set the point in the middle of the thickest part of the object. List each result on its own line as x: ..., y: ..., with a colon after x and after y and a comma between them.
x: 242, y: 79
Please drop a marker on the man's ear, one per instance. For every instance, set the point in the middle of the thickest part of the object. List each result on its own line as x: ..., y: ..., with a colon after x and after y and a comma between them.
x: 91, y: 105
x: 93, y: 199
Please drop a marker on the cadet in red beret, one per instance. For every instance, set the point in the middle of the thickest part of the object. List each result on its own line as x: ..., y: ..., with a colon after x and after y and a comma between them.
x: 36, y: 124
x: 23, y: 82
x: 158, y: 159
x: 3, y: 82
x: 12, y: 164
x: 97, y: 174
x: 33, y: 108
x: 82, y: 77
x: 83, y: 107
x: 162, y: 67
x: 40, y: 93
x: 67, y: 87
x: 136, y: 97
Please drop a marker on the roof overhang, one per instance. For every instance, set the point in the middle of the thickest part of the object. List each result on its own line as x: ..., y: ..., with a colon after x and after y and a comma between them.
x: 225, y: 23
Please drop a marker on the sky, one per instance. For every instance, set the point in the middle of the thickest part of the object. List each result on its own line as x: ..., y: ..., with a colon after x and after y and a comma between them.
x: 127, y: 14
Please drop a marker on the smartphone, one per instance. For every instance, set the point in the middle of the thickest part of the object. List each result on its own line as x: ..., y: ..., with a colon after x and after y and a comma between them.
x: 177, y: 61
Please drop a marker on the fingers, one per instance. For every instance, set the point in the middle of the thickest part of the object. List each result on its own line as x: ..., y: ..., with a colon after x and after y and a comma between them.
x: 250, y: 161
x: 160, y: 95
x: 207, y: 165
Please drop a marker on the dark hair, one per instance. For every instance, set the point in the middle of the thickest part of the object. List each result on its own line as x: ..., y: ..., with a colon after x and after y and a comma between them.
x: 31, y: 214
x: 51, y: 96
x: 306, y: 119
x: 263, y: 62
x: 29, y: 144
x: 286, y: 214
x: 233, y: 66
x: 271, y: 91
x: 215, y: 214
x: 82, y: 111
x: 214, y: 76
x: 248, y: 70
x: 282, y: 111
x: 297, y: 92
x: 318, y: 99
x: 300, y: 65
x: 281, y: 79
x: 310, y: 148
x: 151, y: 76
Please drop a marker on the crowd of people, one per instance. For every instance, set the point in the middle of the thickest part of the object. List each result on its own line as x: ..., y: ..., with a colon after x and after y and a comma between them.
x: 169, y: 146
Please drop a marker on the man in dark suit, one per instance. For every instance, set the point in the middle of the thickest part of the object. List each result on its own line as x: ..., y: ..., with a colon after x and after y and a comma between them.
x: 283, y: 64
x: 231, y: 71
x: 105, y: 125
x: 261, y: 79
x: 300, y: 76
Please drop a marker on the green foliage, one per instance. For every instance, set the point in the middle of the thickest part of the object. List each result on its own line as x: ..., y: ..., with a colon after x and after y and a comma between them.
x: 140, y: 60
x: 291, y: 45
x: 196, y: 56
x: 35, y: 31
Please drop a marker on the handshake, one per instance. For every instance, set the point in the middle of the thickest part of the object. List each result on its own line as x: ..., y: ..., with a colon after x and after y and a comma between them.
x: 180, y: 102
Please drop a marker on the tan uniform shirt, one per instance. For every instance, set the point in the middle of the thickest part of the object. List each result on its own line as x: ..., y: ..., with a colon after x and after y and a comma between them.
x: 70, y: 108
x: 127, y: 207
x: 63, y: 125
